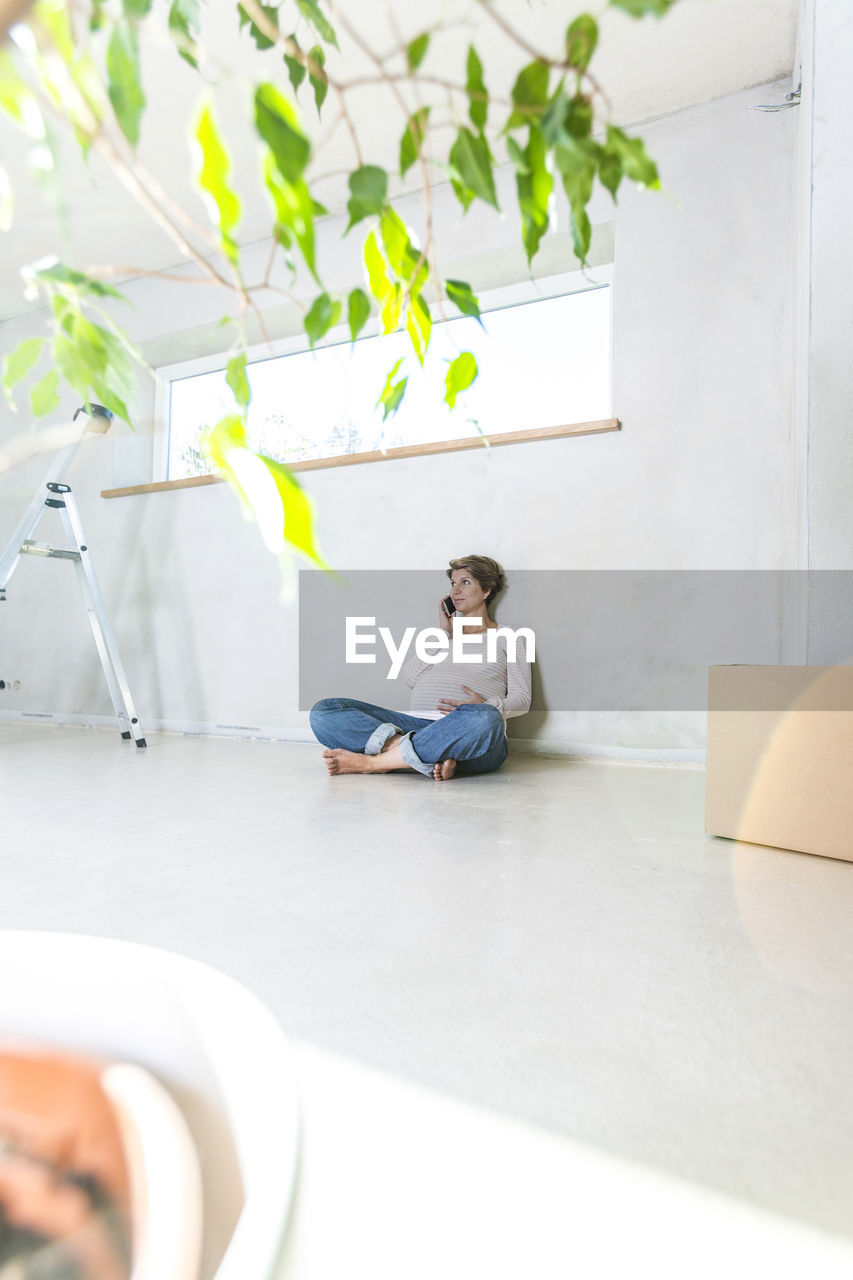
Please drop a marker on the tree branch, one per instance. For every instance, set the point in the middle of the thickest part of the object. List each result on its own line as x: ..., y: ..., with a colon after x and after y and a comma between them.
x: 131, y: 182
x: 273, y: 32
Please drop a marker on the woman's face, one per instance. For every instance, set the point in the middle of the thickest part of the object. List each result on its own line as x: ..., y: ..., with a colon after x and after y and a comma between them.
x: 466, y: 593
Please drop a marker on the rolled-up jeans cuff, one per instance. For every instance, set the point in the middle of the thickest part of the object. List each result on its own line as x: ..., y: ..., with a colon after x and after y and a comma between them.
x: 379, y: 737
x: 411, y: 757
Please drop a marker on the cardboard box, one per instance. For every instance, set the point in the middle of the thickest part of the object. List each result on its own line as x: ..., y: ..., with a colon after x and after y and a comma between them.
x: 780, y: 757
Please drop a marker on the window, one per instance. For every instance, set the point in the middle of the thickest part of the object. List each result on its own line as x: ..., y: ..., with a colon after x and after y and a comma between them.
x: 543, y: 363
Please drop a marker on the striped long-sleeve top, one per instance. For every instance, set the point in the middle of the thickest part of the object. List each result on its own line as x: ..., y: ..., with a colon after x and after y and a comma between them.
x: 503, y: 684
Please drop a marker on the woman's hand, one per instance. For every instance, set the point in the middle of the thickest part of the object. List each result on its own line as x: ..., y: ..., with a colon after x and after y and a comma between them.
x: 446, y: 705
x: 444, y: 622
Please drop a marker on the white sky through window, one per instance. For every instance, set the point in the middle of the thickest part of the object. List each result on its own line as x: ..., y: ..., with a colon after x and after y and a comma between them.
x: 544, y: 363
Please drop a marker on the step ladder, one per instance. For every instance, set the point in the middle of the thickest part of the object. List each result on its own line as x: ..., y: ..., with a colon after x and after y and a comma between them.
x: 53, y: 495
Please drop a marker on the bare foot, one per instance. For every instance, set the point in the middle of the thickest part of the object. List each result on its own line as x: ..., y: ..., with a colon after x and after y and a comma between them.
x: 389, y: 759
x: 337, y: 760
x: 444, y: 770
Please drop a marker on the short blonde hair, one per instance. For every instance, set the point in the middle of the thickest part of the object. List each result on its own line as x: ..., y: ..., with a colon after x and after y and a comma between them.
x: 488, y: 573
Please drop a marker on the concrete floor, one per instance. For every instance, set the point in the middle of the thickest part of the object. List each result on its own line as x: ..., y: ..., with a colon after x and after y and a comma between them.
x: 558, y: 941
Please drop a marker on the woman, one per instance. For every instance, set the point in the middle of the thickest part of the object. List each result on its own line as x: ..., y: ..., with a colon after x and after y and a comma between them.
x: 453, y: 726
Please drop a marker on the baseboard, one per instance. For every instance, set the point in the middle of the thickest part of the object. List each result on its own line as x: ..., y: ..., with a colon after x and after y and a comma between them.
x: 678, y: 756
x: 191, y: 728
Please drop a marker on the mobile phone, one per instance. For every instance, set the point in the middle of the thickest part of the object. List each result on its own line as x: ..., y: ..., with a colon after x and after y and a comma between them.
x: 448, y: 606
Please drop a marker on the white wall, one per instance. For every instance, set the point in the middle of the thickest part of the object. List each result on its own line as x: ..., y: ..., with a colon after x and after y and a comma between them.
x: 827, y: 126
x: 831, y: 382
x: 701, y: 476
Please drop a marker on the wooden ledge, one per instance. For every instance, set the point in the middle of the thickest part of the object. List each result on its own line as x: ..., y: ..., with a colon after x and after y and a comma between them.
x: 390, y: 455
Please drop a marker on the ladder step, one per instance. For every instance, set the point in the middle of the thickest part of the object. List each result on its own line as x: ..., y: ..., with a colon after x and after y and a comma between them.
x: 22, y: 543
x: 47, y: 549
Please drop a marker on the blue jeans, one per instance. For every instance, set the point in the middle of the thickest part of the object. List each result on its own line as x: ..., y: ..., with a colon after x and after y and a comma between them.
x: 473, y: 735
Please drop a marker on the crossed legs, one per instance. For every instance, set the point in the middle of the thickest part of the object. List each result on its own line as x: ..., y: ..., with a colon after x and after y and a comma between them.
x: 362, y: 738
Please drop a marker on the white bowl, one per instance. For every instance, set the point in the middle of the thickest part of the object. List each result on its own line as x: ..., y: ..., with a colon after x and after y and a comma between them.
x: 212, y: 1043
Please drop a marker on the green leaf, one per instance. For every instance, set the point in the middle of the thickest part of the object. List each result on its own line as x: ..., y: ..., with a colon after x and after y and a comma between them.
x: 135, y: 8
x: 238, y: 381
x: 377, y: 275
x: 463, y: 194
x: 358, y: 311
x: 44, y: 396
x: 403, y: 257
x: 13, y: 91
x: 554, y: 119
x: 392, y: 393
x: 529, y: 95
x: 18, y: 364
x: 223, y: 202
x: 125, y: 87
x: 105, y: 394
x: 278, y: 124
x: 419, y: 326
x: 385, y: 290
x: 227, y: 434
x: 460, y: 374
x: 565, y: 118
x: 478, y: 98
x: 93, y: 360
x: 266, y: 489
x: 578, y: 173
x: 295, y: 69
x: 471, y: 163
x: 261, y: 40
x: 610, y: 170
x: 296, y: 509
x: 639, y: 8
x: 368, y: 189
x: 322, y: 316
x: 405, y: 261
x: 581, y: 233
x: 59, y: 274
x: 319, y: 81
x: 413, y: 139
x: 416, y: 51
x: 97, y: 359
x: 392, y: 309
x: 55, y: 19
x: 534, y: 193
x: 516, y: 155
x: 294, y: 208
x: 183, y: 28
x: 60, y: 307
x: 70, y: 367
x: 463, y: 297
x: 311, y: 10
x: 395, y: 240
x: 581, y: 40
x: 579, y: 117
x: 636, y: 163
